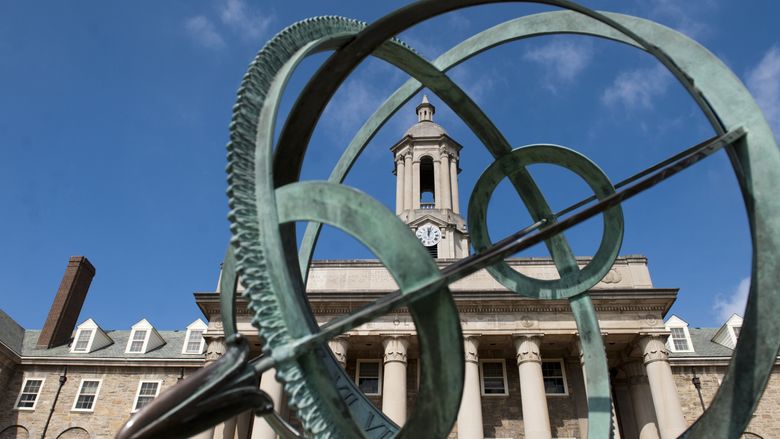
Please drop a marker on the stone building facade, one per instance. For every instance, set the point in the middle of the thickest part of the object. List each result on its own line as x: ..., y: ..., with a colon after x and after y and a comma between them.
x: 524, y: 371
x: 89, y: 383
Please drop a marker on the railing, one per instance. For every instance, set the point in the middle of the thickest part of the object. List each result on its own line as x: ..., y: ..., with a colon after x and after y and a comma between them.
x: 427, y: 205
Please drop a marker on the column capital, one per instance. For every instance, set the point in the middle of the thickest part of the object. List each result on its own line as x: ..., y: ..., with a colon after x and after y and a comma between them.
x: 215, y: 348
x: 395, y: 348
x: 653, y: 348
x: 339, y: 345
x: 470, y: 346
x: 527, y: 347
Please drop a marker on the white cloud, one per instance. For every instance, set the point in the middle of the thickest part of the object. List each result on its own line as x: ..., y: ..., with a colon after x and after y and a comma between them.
x: 249, y: 24
x: 350, y: 107
x: 679, y: 15
x: 733, y: 303
x: 477, y: 86
x: 637, y: 88
x: 458, y: 21
x: 234, y: 17
x: 204, y: 32
x: 562, y: 60
x: 764, y: 82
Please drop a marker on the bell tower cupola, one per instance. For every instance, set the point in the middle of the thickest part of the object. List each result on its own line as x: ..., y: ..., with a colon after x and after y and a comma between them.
x: 426, y: 169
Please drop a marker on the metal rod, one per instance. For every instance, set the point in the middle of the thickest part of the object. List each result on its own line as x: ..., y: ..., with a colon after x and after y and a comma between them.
x: 518, y: 241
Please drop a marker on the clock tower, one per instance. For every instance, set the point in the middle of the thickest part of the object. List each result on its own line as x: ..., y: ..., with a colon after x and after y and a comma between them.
x: 426, y: 170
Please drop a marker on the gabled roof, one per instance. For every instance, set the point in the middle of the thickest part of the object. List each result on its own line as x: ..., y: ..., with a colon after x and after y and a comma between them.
x: 11, y: 333
x: 98, y: 340
x: 724, y: 336
x: 703, y: 346
x: 428, y: 219
x: 174, y: 340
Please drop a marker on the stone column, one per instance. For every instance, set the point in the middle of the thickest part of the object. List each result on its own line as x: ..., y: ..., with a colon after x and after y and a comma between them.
x: 641, y: 401
x: 394, y: 378
x: 408, y: 181
x: 400, y: 173
x: 445, y: 180
x: 274, y: 389
x: 243, y: 424
x: 225, y: 430
x: 215, y: 347
x: 437, y: 183
x: 415, y: 184
x: 668, y: 410
x: 625, y: 410
x: 454, y: 185
x: 339, y: 347
x: 536, y: 420
x: 470, y: 414
x: 615, y: 420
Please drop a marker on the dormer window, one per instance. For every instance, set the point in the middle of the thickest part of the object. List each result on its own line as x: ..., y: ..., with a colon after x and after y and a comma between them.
x: 89, y: 338
x: 679, y: 340
x: 143, y: 338
x: 680, y: 337
x: 193, y: 341
x: 728, y: 334
x: 83, y: 340
x: 137, y: 341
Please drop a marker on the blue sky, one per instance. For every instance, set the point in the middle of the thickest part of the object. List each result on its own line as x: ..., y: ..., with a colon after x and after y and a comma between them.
x: 113, y: 122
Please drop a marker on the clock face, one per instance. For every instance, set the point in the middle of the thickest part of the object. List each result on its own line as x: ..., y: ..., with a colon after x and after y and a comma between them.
x: 429, y: 235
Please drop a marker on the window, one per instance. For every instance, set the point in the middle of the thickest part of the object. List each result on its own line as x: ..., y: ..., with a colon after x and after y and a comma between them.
x: 493, y: 377
x: 554, y: 377
x: 29, y: 394
x: 85, y: 399
x: 736, y: 330
x: 679, y: 340
x: 83, y: 340
x: 137, y: 341
x: 369, y: 376
x: 147, y: 391
x: 194, y: 343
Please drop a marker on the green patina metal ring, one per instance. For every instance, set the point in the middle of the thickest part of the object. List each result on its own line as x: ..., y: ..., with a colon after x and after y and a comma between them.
x: 572, y: 282
x: 266, y: 250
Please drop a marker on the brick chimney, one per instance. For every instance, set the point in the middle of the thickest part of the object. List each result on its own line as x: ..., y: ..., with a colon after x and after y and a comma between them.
x: 67, y: 304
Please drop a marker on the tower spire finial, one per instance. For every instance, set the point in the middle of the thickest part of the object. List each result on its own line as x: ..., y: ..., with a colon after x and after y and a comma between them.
x: 425, y: 110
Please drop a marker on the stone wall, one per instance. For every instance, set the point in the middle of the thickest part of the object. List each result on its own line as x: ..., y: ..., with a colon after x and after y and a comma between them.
x: 766, y: 419
x: 502, y: 415
x: 7, y: 369
x: 111, y: 409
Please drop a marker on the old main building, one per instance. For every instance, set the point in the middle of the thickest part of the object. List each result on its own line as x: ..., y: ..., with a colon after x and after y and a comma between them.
x: 524, y: 375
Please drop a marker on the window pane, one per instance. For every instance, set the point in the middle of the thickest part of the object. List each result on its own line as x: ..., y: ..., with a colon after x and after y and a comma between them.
x: 368, y: 385
x: 83, y: 340
x: 146, y: 394
x: 148, y: 389
x: 736, y: 330
x: 137, y: 345
x: 552, y: 369
x: 554, y: 384
x: 193, y: 343
x: 493, y: 378
x: 29, y: 393
x: 368, y: 379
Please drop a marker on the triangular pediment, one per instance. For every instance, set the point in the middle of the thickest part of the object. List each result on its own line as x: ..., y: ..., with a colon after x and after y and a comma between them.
x: 428, y: 219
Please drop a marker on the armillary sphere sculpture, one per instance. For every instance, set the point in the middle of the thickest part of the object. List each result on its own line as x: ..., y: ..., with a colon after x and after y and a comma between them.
x: 266, y: 197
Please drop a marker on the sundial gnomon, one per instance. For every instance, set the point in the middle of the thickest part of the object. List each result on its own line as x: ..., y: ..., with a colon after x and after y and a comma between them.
x: 266, y: 198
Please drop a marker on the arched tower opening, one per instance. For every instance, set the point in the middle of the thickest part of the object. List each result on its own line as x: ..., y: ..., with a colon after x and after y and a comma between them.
x: 427, y: 183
